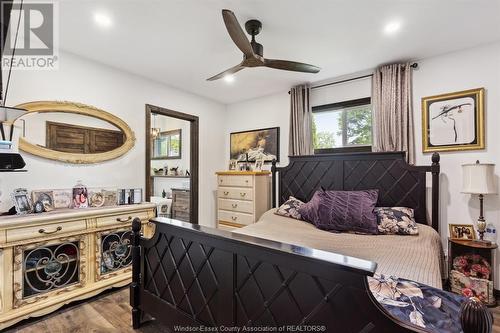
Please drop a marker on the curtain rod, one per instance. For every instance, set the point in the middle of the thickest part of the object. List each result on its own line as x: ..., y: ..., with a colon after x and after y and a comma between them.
x: 414, y: 65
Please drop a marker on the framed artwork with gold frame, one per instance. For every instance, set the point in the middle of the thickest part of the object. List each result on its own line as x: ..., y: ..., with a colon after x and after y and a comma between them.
x: 453, y: 121
x: 462, y: 231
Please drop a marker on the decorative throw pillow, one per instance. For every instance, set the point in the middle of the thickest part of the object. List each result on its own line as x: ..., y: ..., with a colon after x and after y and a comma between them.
x: 309, y: 210
x: 396, y: 221
x: 348, y: 211
x: 290, y: 208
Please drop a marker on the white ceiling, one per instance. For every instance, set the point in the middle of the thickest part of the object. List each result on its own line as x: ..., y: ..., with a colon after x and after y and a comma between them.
x: 183, y: 42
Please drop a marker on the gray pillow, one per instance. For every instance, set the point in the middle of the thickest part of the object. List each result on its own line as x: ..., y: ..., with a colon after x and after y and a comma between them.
x: 290, y: 208
x: 351, y: 211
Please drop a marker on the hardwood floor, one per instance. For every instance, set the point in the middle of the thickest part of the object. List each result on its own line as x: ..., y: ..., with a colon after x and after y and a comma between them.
x: 108, y: 313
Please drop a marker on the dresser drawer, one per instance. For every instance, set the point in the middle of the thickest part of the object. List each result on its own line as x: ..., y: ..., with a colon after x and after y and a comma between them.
x: 235, y: 193
x: 56, y: 229
x: 236, y: 218
x: 121, y: 219
x: 241, y: 181
x: 236, y: 205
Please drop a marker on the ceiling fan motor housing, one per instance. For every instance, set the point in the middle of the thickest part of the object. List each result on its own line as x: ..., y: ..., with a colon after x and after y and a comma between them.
x: 253, y: 28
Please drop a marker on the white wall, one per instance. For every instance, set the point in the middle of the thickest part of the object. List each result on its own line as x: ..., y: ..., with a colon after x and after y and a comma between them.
x: 125, y: 96
x: 466, y: 69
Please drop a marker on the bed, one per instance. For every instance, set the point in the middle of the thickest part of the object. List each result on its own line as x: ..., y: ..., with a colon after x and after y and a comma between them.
x: 195, y: 278
x: 418, y: 258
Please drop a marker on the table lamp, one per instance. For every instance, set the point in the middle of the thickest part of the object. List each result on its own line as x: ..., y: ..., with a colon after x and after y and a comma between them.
x: 478, y: 178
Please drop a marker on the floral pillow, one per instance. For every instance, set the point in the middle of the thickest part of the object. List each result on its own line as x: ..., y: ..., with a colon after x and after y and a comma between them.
x: 434, y: 309
x: 290, y: 208
x: 396, y: 221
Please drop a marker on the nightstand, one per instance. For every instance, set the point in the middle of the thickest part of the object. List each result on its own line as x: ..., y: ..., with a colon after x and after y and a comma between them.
x: 471, y: 269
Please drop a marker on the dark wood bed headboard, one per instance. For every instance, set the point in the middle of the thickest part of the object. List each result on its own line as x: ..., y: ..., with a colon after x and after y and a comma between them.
x: 399, y: 183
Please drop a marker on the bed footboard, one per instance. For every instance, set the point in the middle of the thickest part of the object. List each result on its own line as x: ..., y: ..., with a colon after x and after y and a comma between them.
x: 190, y: 278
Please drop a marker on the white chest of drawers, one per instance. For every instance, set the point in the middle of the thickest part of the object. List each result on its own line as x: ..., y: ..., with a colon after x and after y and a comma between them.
x: 242, y: 197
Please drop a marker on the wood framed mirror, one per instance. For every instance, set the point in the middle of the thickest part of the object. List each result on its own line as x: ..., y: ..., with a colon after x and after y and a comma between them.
x: 72, y: 132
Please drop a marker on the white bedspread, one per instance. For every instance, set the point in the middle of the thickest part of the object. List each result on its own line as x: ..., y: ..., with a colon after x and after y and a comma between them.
x: 417, y: 258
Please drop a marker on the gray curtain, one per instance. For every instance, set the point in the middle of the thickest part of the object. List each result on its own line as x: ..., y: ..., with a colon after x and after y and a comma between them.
x: 392, y: 110
x: 301, y: 142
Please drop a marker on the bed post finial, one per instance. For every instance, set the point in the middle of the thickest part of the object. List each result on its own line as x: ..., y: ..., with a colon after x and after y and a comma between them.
x: 273, y: 180
x: 475, y: 317
x: 136, y: 272
x: 436, y: 158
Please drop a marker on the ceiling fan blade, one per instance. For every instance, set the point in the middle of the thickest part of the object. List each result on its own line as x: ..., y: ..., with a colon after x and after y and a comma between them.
x: 291, y: 66
x: 237, y: 34
x: 229, y: 71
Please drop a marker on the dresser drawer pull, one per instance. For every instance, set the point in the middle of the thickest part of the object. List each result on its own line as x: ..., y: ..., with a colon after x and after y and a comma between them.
x: 246, y: 181
x: 119, y: 219
x: 226, y: 193
x: 243, y: 194
x: 43, y: 231
x: 234, y: 218
x: 234, y: 205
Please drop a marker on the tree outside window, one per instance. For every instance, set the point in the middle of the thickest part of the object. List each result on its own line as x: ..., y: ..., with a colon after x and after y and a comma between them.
x: 340, y: 125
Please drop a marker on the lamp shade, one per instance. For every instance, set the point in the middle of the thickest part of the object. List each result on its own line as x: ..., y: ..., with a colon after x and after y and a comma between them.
x: 478, y: 178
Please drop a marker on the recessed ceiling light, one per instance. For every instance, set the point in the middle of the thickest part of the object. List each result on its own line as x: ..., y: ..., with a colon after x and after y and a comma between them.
x: 103, y: 20
x: 392, y: 27
x: 229, y: 78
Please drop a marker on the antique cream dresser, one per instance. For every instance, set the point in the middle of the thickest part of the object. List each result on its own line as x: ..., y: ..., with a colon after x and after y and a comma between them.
x: 50, y: 259
x: 242, y: 197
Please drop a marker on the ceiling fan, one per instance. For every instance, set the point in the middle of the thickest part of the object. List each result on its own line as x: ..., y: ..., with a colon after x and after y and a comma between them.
x: 253, y: 51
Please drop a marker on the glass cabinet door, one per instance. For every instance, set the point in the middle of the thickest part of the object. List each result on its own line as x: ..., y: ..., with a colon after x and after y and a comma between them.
x: 45, y: 268
x: 114, y: 253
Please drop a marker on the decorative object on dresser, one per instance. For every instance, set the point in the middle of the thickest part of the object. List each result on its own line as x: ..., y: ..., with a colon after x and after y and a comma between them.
x: 90, y: 145
x: 259, y: 163
x: 471, y: 268
x: 464, y: 232
x: 21, y: 200
x: 453, y: 121
x: 233, y: 164
x: 129, y: 196
x: 51, y: 259
x: 479, y: 178
x: 181, y: 204
x: 80, y: 195
x: 243, y: 196
x: 260, y: 143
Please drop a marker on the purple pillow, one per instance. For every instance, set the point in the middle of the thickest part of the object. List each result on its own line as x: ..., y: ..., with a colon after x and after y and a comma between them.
x: 309, y: 211
x: 348, y: 211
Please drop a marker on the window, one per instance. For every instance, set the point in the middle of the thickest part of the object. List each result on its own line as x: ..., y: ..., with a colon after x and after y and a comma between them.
x: 167, y: 145
x: 345, y: 126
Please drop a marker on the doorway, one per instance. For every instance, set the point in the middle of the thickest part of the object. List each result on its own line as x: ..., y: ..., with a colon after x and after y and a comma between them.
x: 172, y: 155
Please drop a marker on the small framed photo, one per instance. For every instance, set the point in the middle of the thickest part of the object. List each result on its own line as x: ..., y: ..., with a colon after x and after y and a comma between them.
x: 462, y: 231
x: 258, y: 164
x: 45, y: 197
x: 233, y: 164
x: 453, y: 121
x: 22, y: 201
x: 62, y: 198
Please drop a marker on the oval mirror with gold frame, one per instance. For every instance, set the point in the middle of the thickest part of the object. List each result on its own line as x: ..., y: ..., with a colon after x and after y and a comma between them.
x: 110, y: 128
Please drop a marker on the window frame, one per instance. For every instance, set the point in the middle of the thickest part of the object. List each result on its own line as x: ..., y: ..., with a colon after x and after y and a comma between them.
x: 339, y: 106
